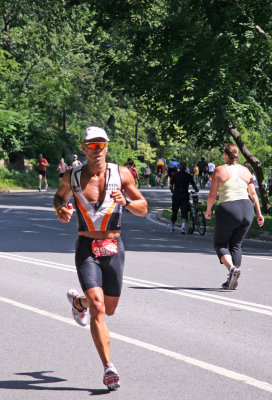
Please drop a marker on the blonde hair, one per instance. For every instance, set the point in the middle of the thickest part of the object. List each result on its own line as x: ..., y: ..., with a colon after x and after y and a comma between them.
x: 232, y: 152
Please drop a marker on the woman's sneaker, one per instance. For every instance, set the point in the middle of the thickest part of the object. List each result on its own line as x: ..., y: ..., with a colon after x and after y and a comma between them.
x: 81, y: 317
x: 231, y: 283
x: 111, y: 377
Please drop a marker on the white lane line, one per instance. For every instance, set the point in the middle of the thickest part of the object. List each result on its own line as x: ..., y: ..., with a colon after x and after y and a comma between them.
x: 150, y: 218
x: 258, y: 257
x: 49, y: 227
x: 163, y: 286
x: 248, y: 306
x: 180, y: 357
x: 28, y: 208
x: 39, y: 261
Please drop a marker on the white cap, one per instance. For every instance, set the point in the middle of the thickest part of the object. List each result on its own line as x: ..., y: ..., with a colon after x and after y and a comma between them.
x: 93, y: 132
x: 74, y: 156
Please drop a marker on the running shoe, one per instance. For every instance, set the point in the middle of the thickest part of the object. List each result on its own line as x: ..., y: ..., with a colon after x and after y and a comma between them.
x: 81, y: 317
x: 170, y: 227
x: 111, y: 377
x: 231, y: 283
x: 182, y: 231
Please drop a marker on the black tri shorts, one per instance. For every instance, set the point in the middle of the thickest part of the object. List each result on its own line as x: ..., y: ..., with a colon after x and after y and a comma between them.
x: 105, y: 272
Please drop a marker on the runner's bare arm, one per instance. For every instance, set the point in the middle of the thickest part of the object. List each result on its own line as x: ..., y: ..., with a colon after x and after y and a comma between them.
x: 254, y: 197
x: 138, y: 204
x: 62, y: 198
x: 212, y: 194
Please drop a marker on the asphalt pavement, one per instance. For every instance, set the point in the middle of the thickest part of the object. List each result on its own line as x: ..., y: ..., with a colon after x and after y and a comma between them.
x: 175, y: 335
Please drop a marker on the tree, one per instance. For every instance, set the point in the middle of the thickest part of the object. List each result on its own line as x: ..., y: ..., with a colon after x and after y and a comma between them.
x: 204, y: 67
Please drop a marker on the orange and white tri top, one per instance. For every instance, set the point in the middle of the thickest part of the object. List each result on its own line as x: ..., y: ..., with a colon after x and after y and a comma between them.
x: 104, y: 216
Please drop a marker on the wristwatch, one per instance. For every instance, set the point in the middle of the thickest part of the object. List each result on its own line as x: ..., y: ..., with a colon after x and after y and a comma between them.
x: 128, y: 201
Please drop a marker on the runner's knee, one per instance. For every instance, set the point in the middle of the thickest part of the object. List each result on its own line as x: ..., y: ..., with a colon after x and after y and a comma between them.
x: 97, y: 307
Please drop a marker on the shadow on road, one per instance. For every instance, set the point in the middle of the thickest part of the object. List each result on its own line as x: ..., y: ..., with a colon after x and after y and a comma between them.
x: 42, y: 379
x: 31, y: 229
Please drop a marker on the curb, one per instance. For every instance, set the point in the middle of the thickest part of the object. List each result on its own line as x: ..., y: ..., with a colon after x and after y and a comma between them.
x: 264, y: 240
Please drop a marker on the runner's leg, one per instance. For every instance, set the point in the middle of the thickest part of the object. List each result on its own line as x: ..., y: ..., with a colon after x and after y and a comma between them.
x: 99, y: 329
x: 40, y: 181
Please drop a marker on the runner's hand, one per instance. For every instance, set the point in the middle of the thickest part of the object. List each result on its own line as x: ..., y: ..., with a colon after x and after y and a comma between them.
x: 208, y: 215
x: 260, y: 220
x: 64, y: 214
x: 118, y: 197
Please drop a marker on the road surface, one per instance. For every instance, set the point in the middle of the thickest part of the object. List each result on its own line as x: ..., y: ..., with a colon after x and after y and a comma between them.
x: 175, y: 334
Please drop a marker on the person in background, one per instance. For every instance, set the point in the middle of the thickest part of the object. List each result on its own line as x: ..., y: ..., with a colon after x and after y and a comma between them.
x: 192, y: 170
x: 234, y: 213
x: 76, y: 161
x: 147, y: 173
x: 269, y: 187
x: 62, y: 168
x: 42, y: 165
x: 172, y: 169
x: 179, y: 185
x: 211, y: 168
x: 196, y: 174
x: 203, y: 171
x: 131, y: 166
x: 160, y: 169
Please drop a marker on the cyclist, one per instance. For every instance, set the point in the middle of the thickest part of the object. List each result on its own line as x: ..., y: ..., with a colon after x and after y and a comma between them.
x: 172, y: 169
x: 160, y: 167
x: 179, y: 185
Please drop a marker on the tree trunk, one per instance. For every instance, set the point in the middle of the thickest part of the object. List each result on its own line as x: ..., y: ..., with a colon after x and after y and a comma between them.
x: 256, y: 165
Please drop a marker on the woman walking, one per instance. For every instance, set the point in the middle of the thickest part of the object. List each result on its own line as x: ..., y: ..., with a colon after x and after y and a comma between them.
x: 62, y: 168
x: 235, y: 212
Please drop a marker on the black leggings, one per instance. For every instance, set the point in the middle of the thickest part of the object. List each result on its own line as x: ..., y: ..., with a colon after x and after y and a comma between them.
x: 105, y: 272
x: 182, y: 203
x: 232, y: 222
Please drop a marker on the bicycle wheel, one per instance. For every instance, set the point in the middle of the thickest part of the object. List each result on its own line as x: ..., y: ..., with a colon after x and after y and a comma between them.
x: 190, y: 224
x: 201, y: 222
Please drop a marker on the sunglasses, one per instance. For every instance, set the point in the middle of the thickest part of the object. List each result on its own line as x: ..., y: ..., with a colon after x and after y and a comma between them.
x: 94, y: 145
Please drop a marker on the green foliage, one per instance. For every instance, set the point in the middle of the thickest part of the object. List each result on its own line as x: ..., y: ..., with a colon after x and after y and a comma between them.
x: 184, y: 70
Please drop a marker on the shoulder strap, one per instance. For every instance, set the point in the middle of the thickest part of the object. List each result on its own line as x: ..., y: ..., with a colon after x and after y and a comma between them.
x: 75, y: 177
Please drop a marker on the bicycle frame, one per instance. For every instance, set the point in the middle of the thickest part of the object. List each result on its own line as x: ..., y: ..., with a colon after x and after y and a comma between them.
x: 195, y: 217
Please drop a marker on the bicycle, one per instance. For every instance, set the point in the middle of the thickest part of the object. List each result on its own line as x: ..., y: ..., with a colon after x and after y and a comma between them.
x: 195, y: 217
x: 159, y: 179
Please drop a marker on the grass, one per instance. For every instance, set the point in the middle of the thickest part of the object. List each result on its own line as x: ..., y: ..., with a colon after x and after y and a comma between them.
x: 267, y: 227
x: 21, y: 180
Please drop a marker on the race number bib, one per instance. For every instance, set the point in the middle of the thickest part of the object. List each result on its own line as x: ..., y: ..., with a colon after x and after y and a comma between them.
x: 106, y: 247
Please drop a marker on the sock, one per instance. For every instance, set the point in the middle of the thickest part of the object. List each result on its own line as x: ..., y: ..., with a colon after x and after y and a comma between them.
x: 183, y: 225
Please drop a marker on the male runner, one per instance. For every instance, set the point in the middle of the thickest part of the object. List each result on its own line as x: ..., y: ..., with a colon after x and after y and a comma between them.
x: 97, y: 188
x: 42, y: 165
